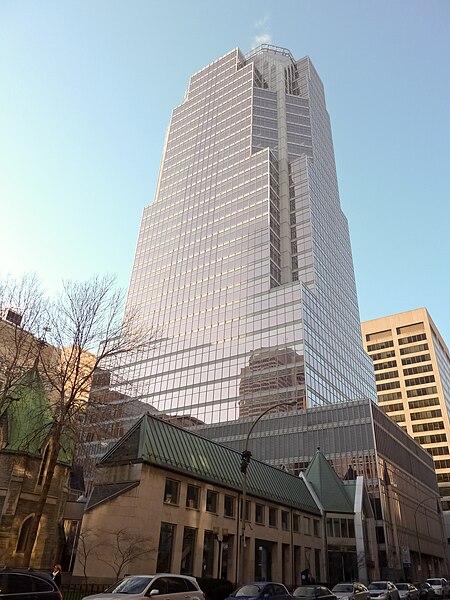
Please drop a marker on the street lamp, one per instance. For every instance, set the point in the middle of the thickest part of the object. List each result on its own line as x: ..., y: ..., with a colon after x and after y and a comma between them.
x: 245, y: 461
x: 436, y: 498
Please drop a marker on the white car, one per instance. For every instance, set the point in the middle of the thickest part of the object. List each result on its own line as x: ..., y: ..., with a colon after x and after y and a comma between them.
x: 440, y: 586
x: 383, y: 590
x: 351, y: 591
x: 143, y: 587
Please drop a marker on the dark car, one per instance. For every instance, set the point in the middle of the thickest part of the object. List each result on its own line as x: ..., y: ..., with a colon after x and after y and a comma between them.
x: 258, y: 590
x: 26, y: 584
x: 312, y: 591
x: 426, y: 592
x: 351, y: 591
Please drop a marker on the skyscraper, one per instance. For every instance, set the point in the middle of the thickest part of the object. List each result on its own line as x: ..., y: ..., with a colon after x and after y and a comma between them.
x: 244, y: 257
x: 412, y: 371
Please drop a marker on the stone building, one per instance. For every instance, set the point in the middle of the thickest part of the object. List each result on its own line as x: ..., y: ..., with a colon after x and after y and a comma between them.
x: 180, y: 495
x: 24, y: 452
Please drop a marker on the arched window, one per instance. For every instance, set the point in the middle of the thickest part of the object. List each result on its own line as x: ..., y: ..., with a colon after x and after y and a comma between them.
x: 44, y: 464
x: 24, y: 533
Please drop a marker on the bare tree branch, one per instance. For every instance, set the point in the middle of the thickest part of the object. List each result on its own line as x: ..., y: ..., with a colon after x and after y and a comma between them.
x: 81, y: 331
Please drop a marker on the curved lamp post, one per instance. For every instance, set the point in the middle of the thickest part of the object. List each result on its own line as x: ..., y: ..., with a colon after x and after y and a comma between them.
x: 245, y: 461
x: 436, y: 499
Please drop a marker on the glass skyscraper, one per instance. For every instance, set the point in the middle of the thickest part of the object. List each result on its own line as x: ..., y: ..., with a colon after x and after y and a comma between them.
x: 244, y: 259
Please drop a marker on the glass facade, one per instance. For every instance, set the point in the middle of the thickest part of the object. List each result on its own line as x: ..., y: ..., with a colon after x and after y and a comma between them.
x: 244, y: 260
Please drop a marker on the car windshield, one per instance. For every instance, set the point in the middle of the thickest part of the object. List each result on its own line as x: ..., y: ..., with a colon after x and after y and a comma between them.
x: 130, y: 585
x: 401, y: 586
x: 248, y: 590
x: 304, y: 590
x: 343, y: 587
x: 434, y: 581
x: 377, y: 585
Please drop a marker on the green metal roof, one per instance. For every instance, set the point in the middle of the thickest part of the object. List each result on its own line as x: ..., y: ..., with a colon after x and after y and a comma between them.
x: 330, y: 489
x: 160, y: 443
x: 28, y: 414
x: 29, y: 418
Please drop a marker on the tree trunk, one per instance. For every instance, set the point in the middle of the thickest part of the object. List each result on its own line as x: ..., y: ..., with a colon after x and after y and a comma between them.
x: 54, y: 441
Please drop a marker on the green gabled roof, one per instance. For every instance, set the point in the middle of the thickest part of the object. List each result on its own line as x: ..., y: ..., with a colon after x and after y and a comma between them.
x: 29, y: 418
x: 160, y: 443
x: 28, y: 414
x: 327, y: 485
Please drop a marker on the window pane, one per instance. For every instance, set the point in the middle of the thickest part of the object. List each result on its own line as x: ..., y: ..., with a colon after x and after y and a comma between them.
x: 166, y: 540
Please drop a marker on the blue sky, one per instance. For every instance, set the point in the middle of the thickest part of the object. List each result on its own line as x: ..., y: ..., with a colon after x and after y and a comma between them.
x: 87, y: 90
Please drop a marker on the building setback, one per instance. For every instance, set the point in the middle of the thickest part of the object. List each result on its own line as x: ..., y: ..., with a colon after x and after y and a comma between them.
x: 244, y: 259
x: 412, y: 372
x: 358, y: 438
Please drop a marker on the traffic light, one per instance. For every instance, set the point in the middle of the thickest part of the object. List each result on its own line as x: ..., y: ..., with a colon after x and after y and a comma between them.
x: 245, y: 460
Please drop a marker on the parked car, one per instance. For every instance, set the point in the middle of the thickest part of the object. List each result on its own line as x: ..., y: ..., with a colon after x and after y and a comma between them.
x: 26, y: 584
x: 313, y: 591
x: 440, y: 586
x: 142, y: 587
x: 351, y: 591
x: 384, y: 590
x: 426, y: 592
x: 258, y: 590
x: 407, y: 591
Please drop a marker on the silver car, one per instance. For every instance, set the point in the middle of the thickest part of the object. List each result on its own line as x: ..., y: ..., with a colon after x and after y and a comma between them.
x: 383, y: 590
x: 351, y: 591
x: 407, y: 591
x: 141, y: 587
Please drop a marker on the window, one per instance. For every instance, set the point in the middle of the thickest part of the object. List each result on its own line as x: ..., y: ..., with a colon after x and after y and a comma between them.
x: 272, y: 517
x: 229, y: 506
x: 316, y: 528
x: 296, y: 523
x: 208, y: 554
x: 412, y: 338
x: 259, y: 514
x: 165, y: 549
x: 44, y: 464
x: 192, y: 496
x: 420, y: 380
x: 380, y: 346
x: 24, y: 533
x: 306, y: 525
x: 188, y: 552
x: 211, y: 501
x: 172, y: 491
x: 284, y: 520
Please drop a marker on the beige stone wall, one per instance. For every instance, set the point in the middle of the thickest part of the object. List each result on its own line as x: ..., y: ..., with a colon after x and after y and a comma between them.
x: 142, y: 509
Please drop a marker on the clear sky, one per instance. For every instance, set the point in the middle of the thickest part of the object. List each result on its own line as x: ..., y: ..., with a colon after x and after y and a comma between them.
x: 86, y: 93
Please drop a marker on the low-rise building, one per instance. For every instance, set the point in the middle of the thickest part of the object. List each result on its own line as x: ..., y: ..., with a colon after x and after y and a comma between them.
x: 180, y: 495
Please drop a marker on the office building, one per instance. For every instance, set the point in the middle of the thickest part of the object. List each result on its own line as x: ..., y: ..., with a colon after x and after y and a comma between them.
x: 412, y: 372
x: 359, y: 439
x: 244, y: 259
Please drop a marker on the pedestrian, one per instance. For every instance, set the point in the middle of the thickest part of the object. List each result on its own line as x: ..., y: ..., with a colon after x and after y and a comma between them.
x: 57, y: 575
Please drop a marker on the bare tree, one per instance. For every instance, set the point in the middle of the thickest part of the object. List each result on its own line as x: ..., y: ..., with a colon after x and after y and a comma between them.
x: 87, y: 546
x: 84, y: 330
x: 22, y: 325
x: 123, y: 549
